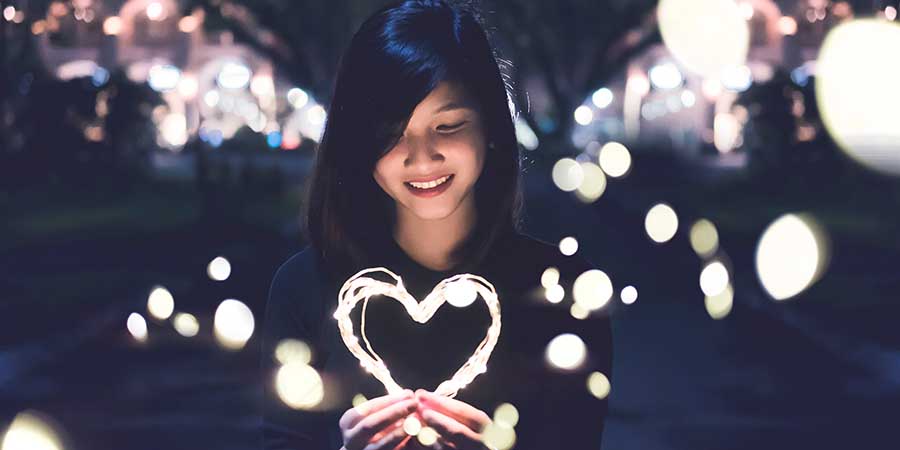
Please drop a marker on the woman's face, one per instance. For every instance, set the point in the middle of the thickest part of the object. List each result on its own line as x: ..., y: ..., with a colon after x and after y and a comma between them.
x: 444, y: 137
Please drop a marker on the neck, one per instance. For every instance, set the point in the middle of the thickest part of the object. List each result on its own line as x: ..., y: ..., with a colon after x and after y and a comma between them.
x: 430, y: 242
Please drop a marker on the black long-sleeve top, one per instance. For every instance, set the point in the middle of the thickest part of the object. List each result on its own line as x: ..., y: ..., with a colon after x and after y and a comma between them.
x: 556, y: 410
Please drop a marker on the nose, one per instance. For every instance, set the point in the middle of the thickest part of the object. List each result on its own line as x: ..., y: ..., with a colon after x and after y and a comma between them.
x: 422, y: 157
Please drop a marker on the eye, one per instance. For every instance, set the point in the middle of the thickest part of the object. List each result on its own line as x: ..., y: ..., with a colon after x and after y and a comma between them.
x: 451, y: 127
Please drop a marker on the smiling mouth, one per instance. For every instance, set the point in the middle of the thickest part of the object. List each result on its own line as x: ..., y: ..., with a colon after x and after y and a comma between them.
x: 429, y: 189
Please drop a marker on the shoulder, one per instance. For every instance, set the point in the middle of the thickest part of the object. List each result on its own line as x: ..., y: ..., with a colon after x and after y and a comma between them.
x: 297, y: 273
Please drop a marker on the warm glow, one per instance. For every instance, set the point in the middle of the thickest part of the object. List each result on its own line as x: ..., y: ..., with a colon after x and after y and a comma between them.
x: 506, y: 415
x: 297, y: 97
x: 411, y: 425
x: 29, y: 431
x: 219, y: 268
x: 137, y: 326
x: 593, y: 183
x: 112, y: 25
x: 160, y: 303
x: 854, y: 79
x: 568, y: 245
x: 592, y: 289
x: 614, y: 159
x: 602, y: 98
x: 584, y: 115
x: 188, y: 24
x: 598, y: 385
x: 427, y: 436
x: 566, y: 351
x: 787, y: 25
x: 705, y: 36
x: 550, y: 277
x: 661, y: 223
x: 187, y: 86
x: 629, y: 295
x: 155, y: 11
x: 579, y: 312
x: 498, y: 436
x: 791, y: 255
x: 186, y: 324
x: 293, y: 350
x: 567, y: 174
x: 233, y: 324
x: 704, y: 237
x: 713, y: 278
x: 461, y: 293
x: 719, y: 306
x: 555, y: 293
x: 299, y: 386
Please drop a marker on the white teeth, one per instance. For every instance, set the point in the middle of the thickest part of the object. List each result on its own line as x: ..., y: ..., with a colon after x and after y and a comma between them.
x: 430, y: 184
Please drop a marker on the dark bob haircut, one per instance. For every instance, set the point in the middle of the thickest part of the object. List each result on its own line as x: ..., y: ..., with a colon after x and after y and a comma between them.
x: 395, y: 59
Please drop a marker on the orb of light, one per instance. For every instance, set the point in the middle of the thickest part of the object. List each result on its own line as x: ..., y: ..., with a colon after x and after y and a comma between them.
x: 297, y: 97
x: 186, y: 324
x: 594, y: 183
x: 713, y: 278
x: 160, y: 303
x: 155, y: 11
x: 233, y: 324
x: 359, y: 399
x: 427, y: 436
x: 705, y: 36
x: 579, y: 312
x: 550, y: 277
x: 566, y: 351
x: 499, y: 437
x: 299, y: 385
x: 704, y: 237
x: 234, y: 75
x: 854, y: 93
x: 293, y: 350
x: 506, y: 415
x: 173, y: 129
x: 661, y: 223
x: 592, y: 289
x: 567, y: 174
x: 31, y: 431
x: 602, y: 97
x: 665, y: 76
x: 629, y: 295
x: 584, y: 115
x: 718, y: 306
x: 568, y: 245
x: 112, y: 25
x: 791, y: 255
x: 137, y: 326
x: 614, y: 159
x: 411, y: 425
x: 555, y: 293
x: 598, y: 385
x: 163, y: 77
x: 219, y: 269
x: 316, y: 115
x: 460, y: 293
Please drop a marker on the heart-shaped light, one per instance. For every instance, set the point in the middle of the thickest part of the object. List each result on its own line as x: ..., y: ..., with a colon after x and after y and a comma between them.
x: 359, y: 288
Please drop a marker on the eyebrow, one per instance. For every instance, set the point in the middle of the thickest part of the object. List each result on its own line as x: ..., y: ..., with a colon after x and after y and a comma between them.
x: 451, y: 106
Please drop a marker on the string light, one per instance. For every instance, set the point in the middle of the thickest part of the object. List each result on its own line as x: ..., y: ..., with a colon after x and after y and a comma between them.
x: 359, y: 288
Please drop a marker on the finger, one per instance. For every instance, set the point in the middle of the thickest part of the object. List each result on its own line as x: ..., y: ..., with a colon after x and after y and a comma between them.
x: 463, y: 412
x: 355, y: 414
x: 388, y: 441
x: 452, y: 431
x: 363, y: 431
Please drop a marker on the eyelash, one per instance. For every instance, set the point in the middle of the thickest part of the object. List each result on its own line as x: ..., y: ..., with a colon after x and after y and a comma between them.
x: 452, y: 127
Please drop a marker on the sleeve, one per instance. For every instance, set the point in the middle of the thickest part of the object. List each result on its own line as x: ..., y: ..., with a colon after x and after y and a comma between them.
x: 282, y: 427
x: 576, y: 417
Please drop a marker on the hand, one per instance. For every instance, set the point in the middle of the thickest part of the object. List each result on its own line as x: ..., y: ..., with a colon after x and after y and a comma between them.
x: 377, y: 424
x: 459, y: 424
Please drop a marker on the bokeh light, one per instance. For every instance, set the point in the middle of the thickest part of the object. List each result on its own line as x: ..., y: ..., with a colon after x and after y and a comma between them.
x: 550, y: 277
x: 854, y: 79
x: 704, y: 237
x: 219, y: 269
x: 568, y: 245
x: 567, y: 174
x: 137, y: 326
x: 598, y: 385
x: 714, y: 278
x: 460, y: 293
x: 233, y: 324
x: 602, y: 97
x: 160, y: 303
x: 614, y: 159
x: 507, y: 415
x: 499, y: 437
x: 629, y: 295
x: 593, y: 185
x: 566, y: 351
x: 31, y: 431
x: 706, y: 36
x: 359, y: 399
x: 584, y: 115
x: 592, y: 289
x: 291, y: 350
x: 791, y: 255
x: 411, y: 425
x: 555, y: 293
x: 719, y: 305
x: 661, y: 223
x: 427, y: 436
x: 186, y: 324
x: 299, y: 385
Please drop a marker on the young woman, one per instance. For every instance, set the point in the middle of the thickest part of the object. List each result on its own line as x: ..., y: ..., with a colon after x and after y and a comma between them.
x: 418, y: 172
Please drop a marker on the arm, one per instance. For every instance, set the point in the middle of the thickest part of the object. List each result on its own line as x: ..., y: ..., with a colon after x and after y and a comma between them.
x: 284, y: 428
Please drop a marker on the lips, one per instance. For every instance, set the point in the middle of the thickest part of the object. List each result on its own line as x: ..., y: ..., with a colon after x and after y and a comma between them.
x: 437, y: 190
